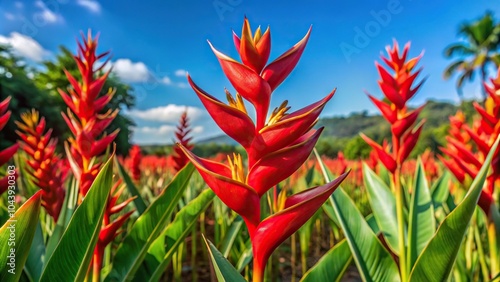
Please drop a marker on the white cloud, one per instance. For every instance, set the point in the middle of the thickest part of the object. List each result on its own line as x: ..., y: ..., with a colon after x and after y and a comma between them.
x: 47, y: 15
x: 169, y: 113
x: 91, y: 5
x: 164, y: 134
x: 9, y: 16
x: 19, y: 4
x: 130, y: 71
x: 181, y: 72
x: 137, y: 72
x: 166, y: 80
x: 25, y: 46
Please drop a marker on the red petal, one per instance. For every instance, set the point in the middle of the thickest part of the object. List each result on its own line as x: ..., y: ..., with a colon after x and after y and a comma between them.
x: 409, y: 141
x: 108, y: 233
x: 232, y: 121
x: 384, y: 157
x: 279, y: 165
x: 481, y: 144
x: 4, y: 119
x: 485, y: 115
x: 399, y: 127
x: 238, y: 196
x: 454, y: 168
x: 389, y: 114
x: 287, y: 130
x: 280, y: 68
x: 246, y: 81
x: 249, y: 55
x: 275, y: 229
x: 4, y: 104
x: 264, y: 46
x: 7, y: 153
x: 100, y: 145
x: 464, y: 153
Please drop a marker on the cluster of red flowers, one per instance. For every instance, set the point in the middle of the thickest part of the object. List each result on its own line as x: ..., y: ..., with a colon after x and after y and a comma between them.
x: 6, y: 154
x: 397, y: 89
x: 468, y: 146
x: 47, y: 169
x: 276, y: 145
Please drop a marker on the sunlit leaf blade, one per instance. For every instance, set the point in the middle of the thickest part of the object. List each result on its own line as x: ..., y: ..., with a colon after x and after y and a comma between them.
x: 181, y: 227
x: 71, y: 258
x: 223, y: 269
x: 140, y: 206
x: 67, y: 210
x: 374, y: 262
x: 437, y: 259
x: 246, y: 256
x: 148, y: 227
x: 440, y: 190
x: 231, y: 235
x: 34, y: 263
x: 383, y: 205
x: 332, y: 266
x: 422, y: 223
x: 17, y: 235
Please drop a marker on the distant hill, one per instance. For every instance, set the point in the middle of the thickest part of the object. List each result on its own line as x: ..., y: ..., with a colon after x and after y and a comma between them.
x: 342, y: 133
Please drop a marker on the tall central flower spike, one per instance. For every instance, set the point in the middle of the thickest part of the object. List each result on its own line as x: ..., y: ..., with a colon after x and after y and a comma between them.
x: 44, y: 165
x: 469, y: 146
x: 84, y: 117
x: 397, y: 89
x: 276, y: 145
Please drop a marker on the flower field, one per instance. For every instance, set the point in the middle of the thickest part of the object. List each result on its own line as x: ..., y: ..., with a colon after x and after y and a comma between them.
x: 72, y: 208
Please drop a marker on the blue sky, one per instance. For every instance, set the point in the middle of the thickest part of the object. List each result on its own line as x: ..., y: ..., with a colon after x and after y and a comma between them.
x: 154, y: 43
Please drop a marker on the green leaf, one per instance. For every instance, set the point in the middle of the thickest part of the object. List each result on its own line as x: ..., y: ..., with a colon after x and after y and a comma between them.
x: 331, y: 266
x: 138, y: 201
x: 383, y: 205
x: 71, y: 258
x: 67, y: 209
x: 231, y: 235
x: 374, y: 262
x: 223, y: 269
x: 422, y: 223
x: 148, y: 227
x: 16, y: 237
x: 440, y: 190
x: 437, y: 259
x: 180, y: 228
x: 34, y: 263
x: 246, y: 256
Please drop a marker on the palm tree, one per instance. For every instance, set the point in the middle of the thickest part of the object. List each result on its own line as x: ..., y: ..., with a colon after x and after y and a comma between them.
x: 477, y: 50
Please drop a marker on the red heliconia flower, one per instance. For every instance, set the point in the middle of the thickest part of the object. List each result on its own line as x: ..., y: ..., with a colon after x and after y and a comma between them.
x: 276, y: 145
x: 87, y: 122
x: 135, y: 162
x: 110, y: 228
x: 397, y: 86
x: 7, y: 153
x: 85, y: 118
x: 468, y: 146
x: 44, y: 165
x: 181, y: 136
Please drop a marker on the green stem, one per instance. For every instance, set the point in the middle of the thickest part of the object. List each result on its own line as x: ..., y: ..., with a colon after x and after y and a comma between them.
x: 401, y: 224
x: 493, y: 241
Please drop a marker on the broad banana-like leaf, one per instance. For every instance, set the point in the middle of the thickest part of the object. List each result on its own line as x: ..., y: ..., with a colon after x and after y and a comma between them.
x: 422, y: 223
x: 148, y: 227
x: 223, y: 269
x: 140, y: 206
x: 331, y: 266
x: 16, y: 236
x: 71, y: 258
x: 436, y: 260
x: 383, y: 205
